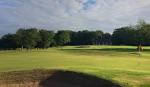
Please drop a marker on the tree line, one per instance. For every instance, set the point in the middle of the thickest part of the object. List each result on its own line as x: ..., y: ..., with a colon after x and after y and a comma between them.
x: 138, y: 34
x: 36, y: 38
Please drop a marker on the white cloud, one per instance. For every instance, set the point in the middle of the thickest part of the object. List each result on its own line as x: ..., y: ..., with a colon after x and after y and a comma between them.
x: 65, y: 14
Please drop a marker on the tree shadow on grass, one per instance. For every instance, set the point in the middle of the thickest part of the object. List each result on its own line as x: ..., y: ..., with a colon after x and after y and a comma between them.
x: 103, y: 51
x: 73, y: 79
x: 107, y: 49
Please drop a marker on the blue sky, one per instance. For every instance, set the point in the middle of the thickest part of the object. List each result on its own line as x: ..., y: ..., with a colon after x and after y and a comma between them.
x: 88, y: 3
x: 55, y: 15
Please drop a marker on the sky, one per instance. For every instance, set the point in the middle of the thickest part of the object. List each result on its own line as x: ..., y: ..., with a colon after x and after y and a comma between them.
x: 105, y: 15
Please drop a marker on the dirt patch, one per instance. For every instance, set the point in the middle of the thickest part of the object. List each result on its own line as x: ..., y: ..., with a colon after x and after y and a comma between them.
x: 28, y: 84
x: 52, y: 78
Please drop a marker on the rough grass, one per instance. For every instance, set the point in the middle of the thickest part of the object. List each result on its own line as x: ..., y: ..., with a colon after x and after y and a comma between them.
x: 52, y: 78
x: 118, y: 63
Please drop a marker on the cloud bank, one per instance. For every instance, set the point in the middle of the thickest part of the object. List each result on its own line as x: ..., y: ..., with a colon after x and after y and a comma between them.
x: 105, y: 15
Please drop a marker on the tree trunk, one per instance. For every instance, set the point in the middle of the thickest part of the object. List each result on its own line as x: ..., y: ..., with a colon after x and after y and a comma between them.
x: 139, y: 48
x: 22, y: 47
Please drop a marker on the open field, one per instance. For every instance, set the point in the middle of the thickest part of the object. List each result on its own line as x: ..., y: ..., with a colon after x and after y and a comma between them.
x: 120, y: 64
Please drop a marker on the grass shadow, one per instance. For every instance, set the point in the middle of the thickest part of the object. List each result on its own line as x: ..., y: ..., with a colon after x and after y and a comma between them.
x: 74, y: 79
x: 107, y: 49
x: 118, y: 49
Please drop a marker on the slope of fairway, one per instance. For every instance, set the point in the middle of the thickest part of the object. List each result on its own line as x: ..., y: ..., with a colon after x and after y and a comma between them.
x: 118, y: 63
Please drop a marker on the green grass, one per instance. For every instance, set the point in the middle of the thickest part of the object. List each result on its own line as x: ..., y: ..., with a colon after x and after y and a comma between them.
x: 118, y: 63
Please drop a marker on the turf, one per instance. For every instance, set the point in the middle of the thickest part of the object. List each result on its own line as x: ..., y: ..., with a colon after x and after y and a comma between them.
x: 121, y: 64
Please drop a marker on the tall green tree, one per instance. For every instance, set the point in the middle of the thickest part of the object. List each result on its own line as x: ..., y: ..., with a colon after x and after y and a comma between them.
x: 8, y: 41
x: 84, y: 37
x: 124, y: 36
x: 46, y: 38
x: 142, y: 34
x: 62, y: 37
x: 106, y: 39
x: 97, y: 37
x: 28, y: 38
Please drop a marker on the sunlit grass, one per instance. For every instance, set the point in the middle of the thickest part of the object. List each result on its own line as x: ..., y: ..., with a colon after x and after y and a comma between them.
x: 119, y: 63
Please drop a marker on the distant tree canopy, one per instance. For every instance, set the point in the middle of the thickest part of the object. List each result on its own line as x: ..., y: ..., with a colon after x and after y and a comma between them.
x: 124, y: 36
x: 132, y: 35
x: 86, y: 37
x: 62, y: 37
x: 46, y: 39
x: 27, y: 38
x: 8, y: 41
x: 39, y: 38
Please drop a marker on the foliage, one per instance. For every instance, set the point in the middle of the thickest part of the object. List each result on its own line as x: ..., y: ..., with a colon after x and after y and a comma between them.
x: 8, y: 41
x: 27, y: 38
x: 62, y: 37
x: 132, y: 35
x: 46, y: 39
x: 36, y: 38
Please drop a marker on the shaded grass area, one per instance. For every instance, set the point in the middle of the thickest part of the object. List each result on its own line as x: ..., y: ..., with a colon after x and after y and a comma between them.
x: 55, y: 78
x: 117, y: 51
